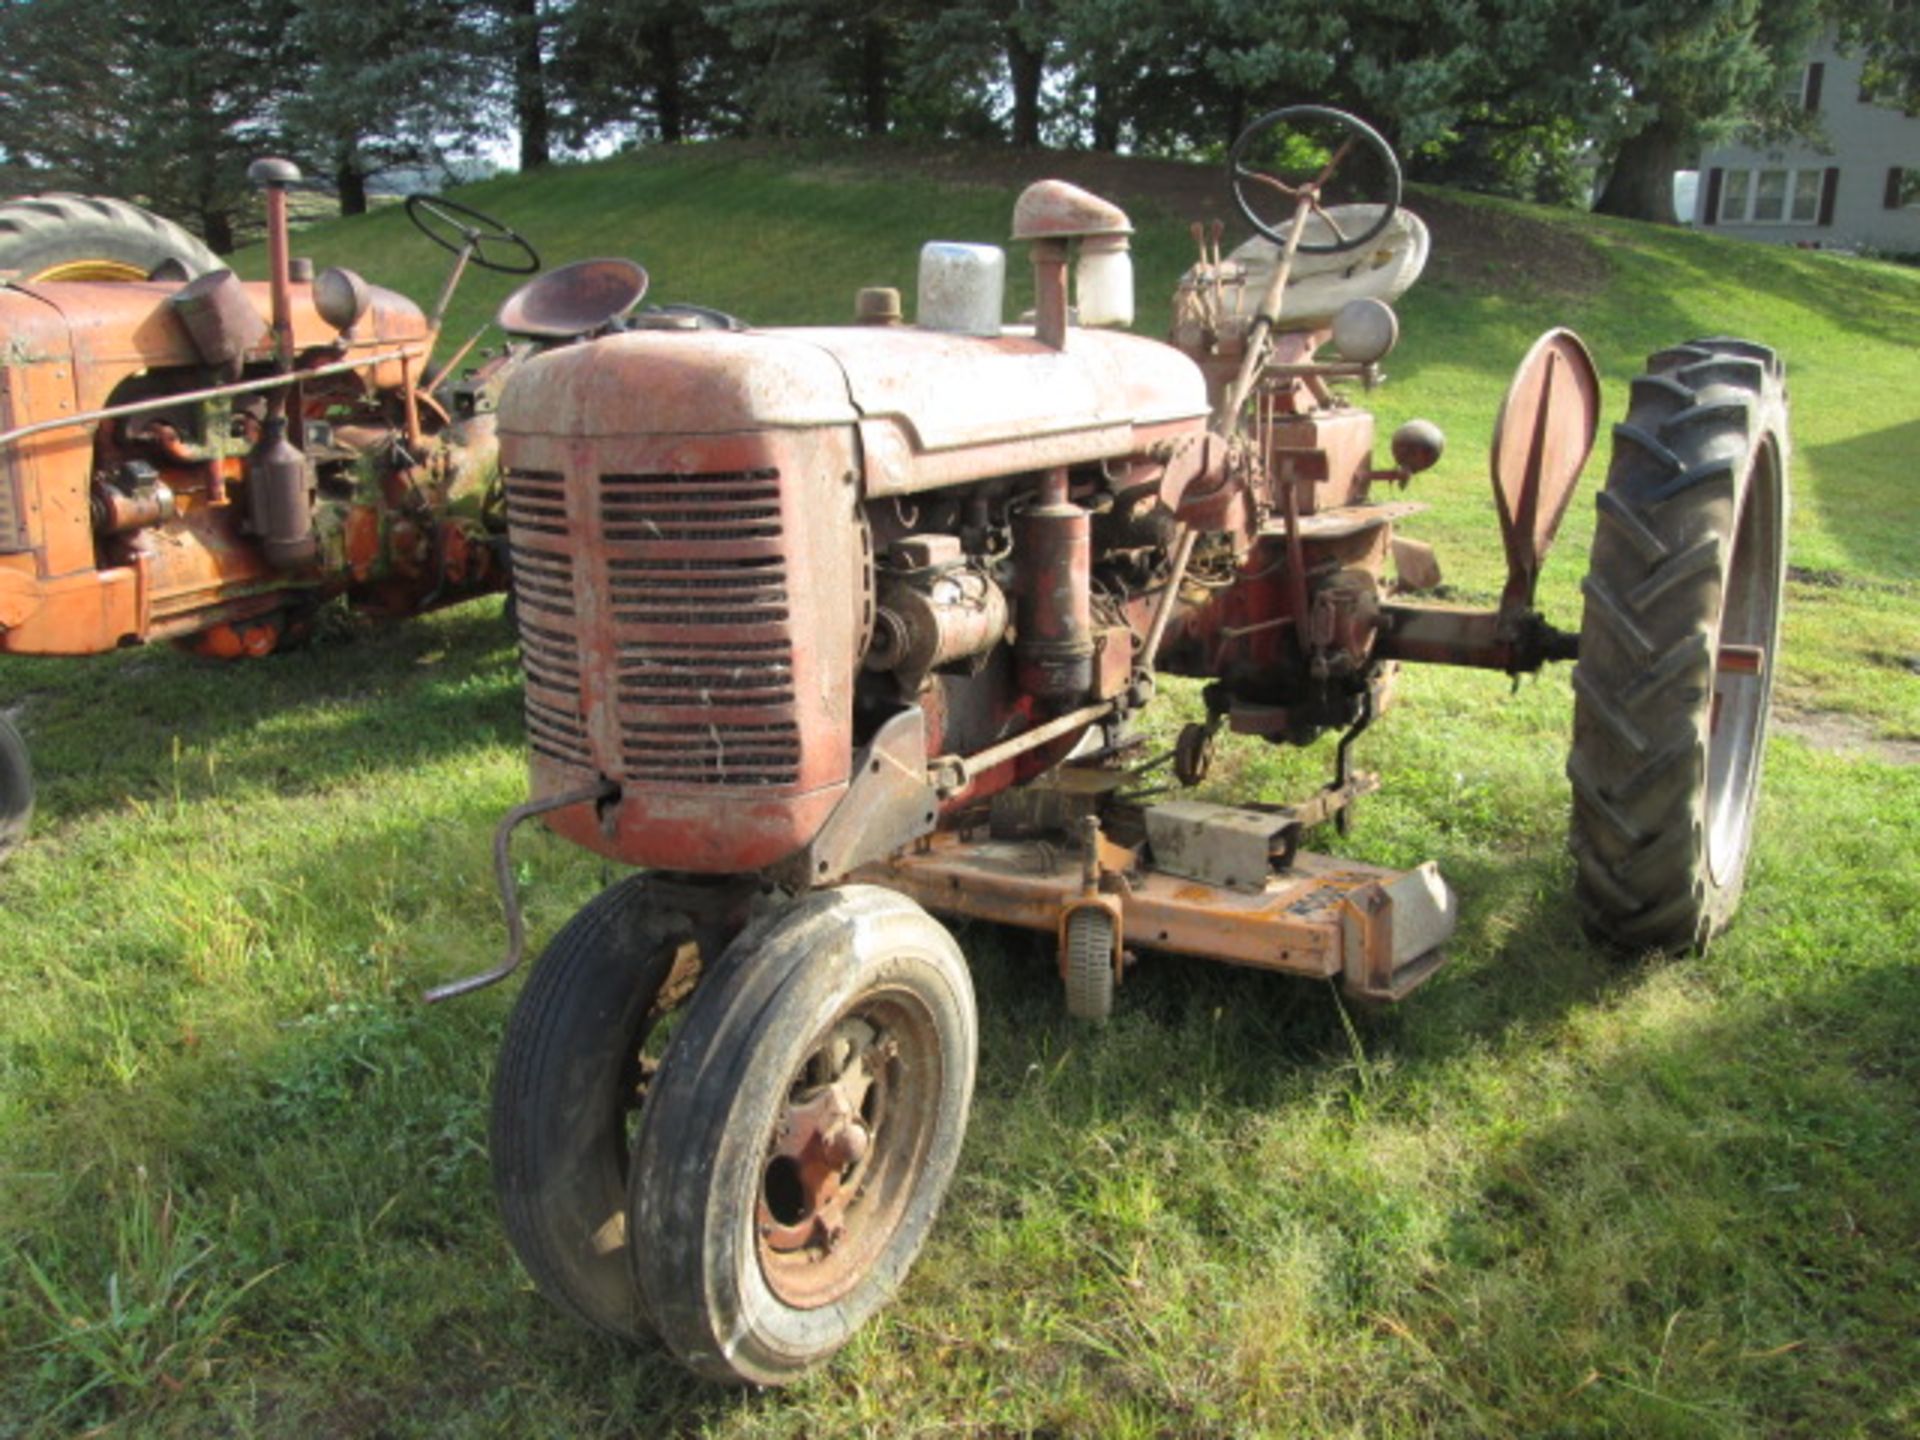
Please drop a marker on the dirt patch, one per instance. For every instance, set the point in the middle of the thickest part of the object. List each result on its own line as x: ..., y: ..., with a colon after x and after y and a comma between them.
x: 1477, y: 246
x: 1817, y: 579
x: 1844, y: 734
x: 1485, y: 246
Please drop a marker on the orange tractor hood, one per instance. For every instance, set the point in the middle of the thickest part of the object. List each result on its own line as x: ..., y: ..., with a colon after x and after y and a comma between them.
x: 112, y: 330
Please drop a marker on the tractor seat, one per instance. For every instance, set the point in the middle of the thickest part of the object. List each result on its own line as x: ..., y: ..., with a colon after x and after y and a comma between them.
x: 1319, y: 285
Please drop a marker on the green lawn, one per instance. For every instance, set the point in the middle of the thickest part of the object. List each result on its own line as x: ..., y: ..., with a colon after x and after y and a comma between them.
x: 242, y: 1179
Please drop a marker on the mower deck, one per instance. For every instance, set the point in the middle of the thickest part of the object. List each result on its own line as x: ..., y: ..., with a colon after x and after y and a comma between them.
x: 1377, y: 931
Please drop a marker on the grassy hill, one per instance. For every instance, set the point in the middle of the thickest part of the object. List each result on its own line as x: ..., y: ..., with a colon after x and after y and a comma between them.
x: 242, y: 1177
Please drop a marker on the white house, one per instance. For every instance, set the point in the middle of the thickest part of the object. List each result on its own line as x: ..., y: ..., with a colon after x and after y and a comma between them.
x: 1855, y: 183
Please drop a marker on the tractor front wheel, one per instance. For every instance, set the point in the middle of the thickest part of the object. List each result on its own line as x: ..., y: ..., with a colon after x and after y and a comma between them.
x: 1677, y: 646
x: 95, y: 237
x: 801, y: 1133
x: 567, y: 1094
x: 16, y: 788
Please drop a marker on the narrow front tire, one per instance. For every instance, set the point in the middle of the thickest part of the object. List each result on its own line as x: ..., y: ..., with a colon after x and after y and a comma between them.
x: 801, y: 1133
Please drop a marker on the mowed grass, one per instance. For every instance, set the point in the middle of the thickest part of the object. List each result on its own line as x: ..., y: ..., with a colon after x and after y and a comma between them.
x: 243, y: 1186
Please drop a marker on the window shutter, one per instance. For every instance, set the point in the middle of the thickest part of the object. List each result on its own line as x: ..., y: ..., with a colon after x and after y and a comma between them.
x: 1710, y: 212
x: 1816, y: 72
x: 1892, y: 199
x: 1829, y: 190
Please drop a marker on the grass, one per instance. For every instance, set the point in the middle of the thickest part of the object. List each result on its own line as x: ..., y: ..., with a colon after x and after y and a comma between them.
x: 242, y: 1179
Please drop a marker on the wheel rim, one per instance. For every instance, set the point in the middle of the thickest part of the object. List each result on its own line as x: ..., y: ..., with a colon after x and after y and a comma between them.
x: 1749, y: 623
x: 846, y: 1148
x: 116, y: 271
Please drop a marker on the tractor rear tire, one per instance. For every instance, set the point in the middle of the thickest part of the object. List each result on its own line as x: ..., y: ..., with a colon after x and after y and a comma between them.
x: 801, y: 1133
x: 16, y: 788
x: 1677, y: 647
x: 566, y: 1092
x: 94, y: 237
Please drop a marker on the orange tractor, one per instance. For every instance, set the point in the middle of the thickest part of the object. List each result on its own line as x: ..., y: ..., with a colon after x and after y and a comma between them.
x: 187, y: 457
x: 831, y: 630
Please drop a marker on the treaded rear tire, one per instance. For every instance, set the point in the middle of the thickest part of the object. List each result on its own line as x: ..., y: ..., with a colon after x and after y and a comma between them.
x: 563, y: 1091
x: 41, y: 233
x: 1687, y: 571
x: 16, y: 788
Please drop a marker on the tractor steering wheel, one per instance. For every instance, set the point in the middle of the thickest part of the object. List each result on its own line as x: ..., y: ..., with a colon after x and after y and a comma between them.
x: 434, y: 217
x: 1295, y: 153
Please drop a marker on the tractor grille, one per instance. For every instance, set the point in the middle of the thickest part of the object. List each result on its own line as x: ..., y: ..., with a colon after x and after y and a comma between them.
x: 544, y: 596
x: 13, y: 530
x: 697, y: 585
x: 13, y: 524
x: 697, y: 607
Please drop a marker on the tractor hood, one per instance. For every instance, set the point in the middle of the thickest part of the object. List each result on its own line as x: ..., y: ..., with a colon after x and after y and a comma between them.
x: 111, y: 330
x: 932, y: 408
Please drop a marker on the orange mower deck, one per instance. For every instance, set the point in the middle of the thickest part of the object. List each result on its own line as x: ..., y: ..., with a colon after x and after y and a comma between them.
x: 1379, y: 932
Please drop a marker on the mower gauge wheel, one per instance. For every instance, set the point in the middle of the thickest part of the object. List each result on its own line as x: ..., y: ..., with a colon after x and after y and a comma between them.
x: 1088, y: 962
x: 434, y: 217
x: 1302, y: 151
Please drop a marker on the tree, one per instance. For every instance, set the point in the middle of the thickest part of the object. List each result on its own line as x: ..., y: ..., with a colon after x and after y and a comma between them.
x: 1688, y: 72
x: 1886, y: 34
x: 654, y: 69
x: 164, y: 102
x: 520, y: 36
x: 375, y: 87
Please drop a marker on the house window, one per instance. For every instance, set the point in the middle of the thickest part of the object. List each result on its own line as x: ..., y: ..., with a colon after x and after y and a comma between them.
x: 1734, y: 193
x: 1800, y: 90
x: 1903, y: 189
x: 1771, y: 197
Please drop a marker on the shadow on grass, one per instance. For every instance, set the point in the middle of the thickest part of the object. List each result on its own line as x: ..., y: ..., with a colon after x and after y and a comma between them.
x: 1247, y: 1038
x: 148, y: 724
x: 1856, y: 488
x: 1709, y: 1232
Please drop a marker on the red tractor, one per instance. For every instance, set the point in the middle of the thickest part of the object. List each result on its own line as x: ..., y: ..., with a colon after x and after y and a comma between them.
x: 831, y: 630
x: 187, y: 457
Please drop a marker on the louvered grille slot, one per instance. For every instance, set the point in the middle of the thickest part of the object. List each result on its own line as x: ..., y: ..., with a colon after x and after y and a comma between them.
x: 551, y: 663
x: 744, y: 593
x: 721, y: 505
x: 537, y: 501
x: 714, y: 754
x: 702, y: 677
x: 556, y: 734
x: 543, y: 581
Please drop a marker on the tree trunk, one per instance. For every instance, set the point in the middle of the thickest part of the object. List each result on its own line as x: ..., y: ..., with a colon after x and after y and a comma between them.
x: 1106, y: 118
x: 669, y: 92
x: 351, y: 185
x: 1026, y: 66
x: 875, y: 79
x: 216, y: 228
x: 1640, y: 186
x: 530, y: 110
x: 1236, y: 115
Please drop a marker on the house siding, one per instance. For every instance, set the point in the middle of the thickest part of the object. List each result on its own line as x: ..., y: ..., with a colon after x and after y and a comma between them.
x: 1849, y: 166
